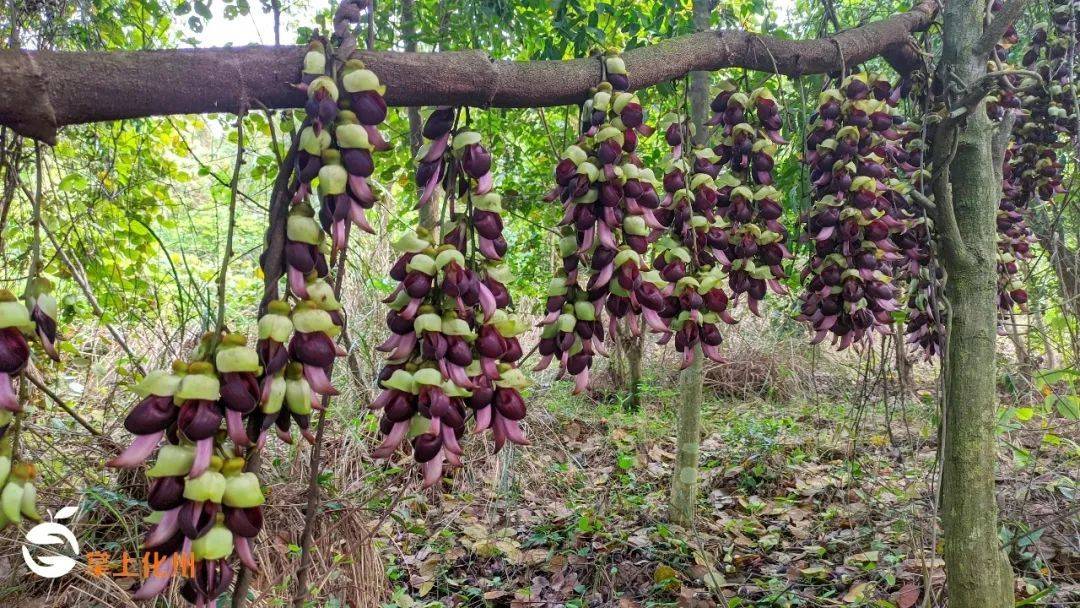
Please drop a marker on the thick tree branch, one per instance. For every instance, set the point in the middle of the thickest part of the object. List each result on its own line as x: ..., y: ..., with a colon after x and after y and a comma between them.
x: 41, y: 91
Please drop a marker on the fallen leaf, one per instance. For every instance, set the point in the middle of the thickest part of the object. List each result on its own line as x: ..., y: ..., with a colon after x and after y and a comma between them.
x: 667, y: 576
x: 907, y: 596
x: 857, y: 593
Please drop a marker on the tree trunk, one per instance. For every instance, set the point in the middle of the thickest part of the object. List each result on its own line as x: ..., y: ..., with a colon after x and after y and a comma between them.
x: 688, y: 435
x: 633, y: 347
x: 968, y: 155
x: 688, y: 444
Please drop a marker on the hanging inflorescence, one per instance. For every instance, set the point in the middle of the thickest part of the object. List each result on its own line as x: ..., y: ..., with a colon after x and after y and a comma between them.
x: 35, y: 317
x: 215, y: 410
x: 296, y: 335
x: 853, y: 150
x: 609, y: 202
x: 1032, y: 171
x: 204, y: 505
x: 754, y: 239
x: 688, y: 255
x: 453, y: 349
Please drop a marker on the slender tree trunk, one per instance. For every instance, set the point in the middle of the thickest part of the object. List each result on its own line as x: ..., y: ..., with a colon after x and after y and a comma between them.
x: 968, y: 156
x: 688, y: 445
x: 633, y: 347
x: 688, y: 436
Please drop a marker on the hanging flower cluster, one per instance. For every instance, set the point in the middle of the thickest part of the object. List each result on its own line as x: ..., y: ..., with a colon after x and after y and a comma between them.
x: 204, y: 504
x: 610, y: 215
x: 1049, y: 106
x: 917, y: 268
x: 296, y: 340
x: 335, y: 147
x: 690, y: 255
x: 1032, y: 172
x: 853, y: 150
x: 1013, y: 233
x: 452, y: 348
x: 755, y: 239
x: 34, y: 317
x: 297, y: 349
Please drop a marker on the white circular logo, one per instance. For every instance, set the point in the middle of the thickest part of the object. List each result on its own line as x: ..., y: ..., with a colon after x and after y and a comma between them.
x: 52, y: 533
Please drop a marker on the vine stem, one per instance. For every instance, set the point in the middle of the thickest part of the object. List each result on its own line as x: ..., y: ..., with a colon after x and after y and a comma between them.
x: 223, y: 274
x: 32, y: 272
x: 311, y: 510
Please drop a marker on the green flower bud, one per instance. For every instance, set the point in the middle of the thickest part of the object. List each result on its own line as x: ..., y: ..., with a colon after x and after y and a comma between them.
x: 276, y: 396
x: 172, y: 461
x: 217, y: 543
x: 201, y: 385
x: 332, y: 180
x: 308, y: 319
x: 360, y: 80
x: 313, y: 143
x: 410, y: 242
x: 210, y: 486
x: 449, y: 255
x: 353, y: 136
x: 303, y: 229
x: 320, y: 292
x: 401, y: 380
x: 298, y: 396
x: 615, y: 65
x: 421, y: 263
x: 323, y: 83
x: 428, y: 376
x: 159, y: 383
x: 276, y: 327
x: 242, y: 491
x: 465, y: 138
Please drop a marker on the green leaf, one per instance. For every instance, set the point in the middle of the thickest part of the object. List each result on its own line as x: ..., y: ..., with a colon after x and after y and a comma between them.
x: 73, y: 182
x: 1067, y: 405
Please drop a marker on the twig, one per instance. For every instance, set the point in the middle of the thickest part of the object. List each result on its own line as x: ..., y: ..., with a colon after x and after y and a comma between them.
x: 80, y: 279
x: 224, y: 272
x: 59, y: 401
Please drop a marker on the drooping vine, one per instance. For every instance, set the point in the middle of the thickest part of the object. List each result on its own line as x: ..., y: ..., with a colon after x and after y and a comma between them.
x: 609, y: 216
x: 35, y: 317
x: 204, y: 500
x: 853, y: 149
x: 755, y: 245
x: 453, y: 348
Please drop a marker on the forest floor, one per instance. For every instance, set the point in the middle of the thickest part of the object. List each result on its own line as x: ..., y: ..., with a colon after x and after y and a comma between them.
x: 801, y: 504
x: 812, y: 493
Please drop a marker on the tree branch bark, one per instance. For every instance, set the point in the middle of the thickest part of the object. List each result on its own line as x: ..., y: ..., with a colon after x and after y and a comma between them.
x: 41, y: 91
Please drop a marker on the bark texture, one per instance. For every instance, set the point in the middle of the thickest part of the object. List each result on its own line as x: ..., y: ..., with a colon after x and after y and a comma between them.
x: 967, y: 192
x: 41, y: 91
x: 634, y: 346
x: 684, y: 480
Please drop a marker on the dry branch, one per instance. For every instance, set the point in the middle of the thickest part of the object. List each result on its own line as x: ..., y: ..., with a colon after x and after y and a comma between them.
x: 41, y: 91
